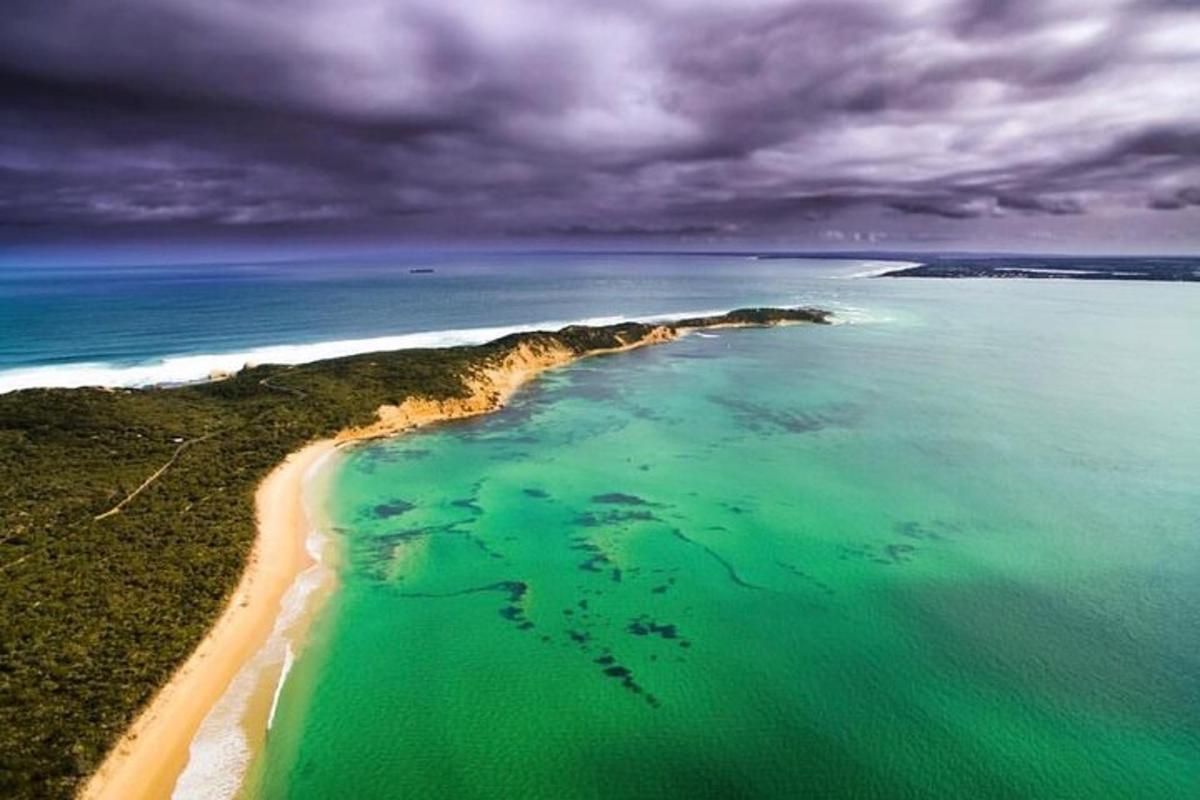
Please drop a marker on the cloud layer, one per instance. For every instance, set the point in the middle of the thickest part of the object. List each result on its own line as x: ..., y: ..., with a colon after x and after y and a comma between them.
x: 663, y: 118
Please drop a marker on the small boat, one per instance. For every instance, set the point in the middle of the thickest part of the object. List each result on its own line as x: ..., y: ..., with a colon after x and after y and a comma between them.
x: 421, y: 270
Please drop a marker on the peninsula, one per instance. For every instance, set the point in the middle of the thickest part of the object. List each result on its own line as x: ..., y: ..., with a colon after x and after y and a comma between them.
x: 1079, y: 268
x: 148, y: 535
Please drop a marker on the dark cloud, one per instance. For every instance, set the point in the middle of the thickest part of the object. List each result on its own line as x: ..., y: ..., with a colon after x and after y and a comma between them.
x: 1175, y: 200
x: 622, y: 231
x: 947, y: 208
x: 1042, y: 205
x: 632, y: 119
x: 1163, y: 141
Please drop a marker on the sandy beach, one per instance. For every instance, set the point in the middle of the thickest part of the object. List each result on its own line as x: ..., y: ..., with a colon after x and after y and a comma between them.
x: 148, y: 759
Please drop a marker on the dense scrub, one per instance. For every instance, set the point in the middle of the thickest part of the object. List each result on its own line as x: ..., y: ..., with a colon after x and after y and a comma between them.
x: 756, y: 316
x: 95, y: 614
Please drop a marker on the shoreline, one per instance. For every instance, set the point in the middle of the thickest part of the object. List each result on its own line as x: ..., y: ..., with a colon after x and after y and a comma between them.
x: 184, y: 369
x: 151, y: 756
x: 239, y: 719
x: 880, y: 268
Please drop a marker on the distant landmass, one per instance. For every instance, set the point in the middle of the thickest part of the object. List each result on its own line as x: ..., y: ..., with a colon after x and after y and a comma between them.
x: 1072, y: 268
x: 922, y: 264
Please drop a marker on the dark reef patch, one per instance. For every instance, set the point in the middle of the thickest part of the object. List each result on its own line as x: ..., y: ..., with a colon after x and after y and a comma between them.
x: 888, y: 554
x: 526, y: 438
x: 765, y: 419
x: 694, y: 356
x: 935, y: 530
x: 898, y: 553
x: 514, y: 589
x: 624, y: 674
x: 621, y: 499
x: 375, y: 553
x: 392, y: 455
x: 729, y: 568
x: 469, y: 503
x: 593, y: 563
x: 513, y: 612
x: 380, y: 547
x: 392, y: 508
x: 593, y: 383
x: 799, y: 573
x: 646, y: 626
x: 591, y: 519
x: 647, y: 413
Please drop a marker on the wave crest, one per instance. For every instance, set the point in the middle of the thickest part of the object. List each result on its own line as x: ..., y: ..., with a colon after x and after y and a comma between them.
x: 190, y: 368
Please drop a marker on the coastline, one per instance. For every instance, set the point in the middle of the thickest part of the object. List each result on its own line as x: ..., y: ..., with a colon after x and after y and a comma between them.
x: 190, y: 368
x: 880, y: 268
x: 149, y: 759
x: 150, y: 756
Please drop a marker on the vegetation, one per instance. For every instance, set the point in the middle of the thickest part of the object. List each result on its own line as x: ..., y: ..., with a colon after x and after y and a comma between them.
x: 97, y: 609
x: 1092, y: 268
x: 756, y: 316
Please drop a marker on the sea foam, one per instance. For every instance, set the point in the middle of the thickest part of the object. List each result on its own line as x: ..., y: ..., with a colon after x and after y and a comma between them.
x: 220, y: 752
x: 190, y: 368
x: 877, y: 268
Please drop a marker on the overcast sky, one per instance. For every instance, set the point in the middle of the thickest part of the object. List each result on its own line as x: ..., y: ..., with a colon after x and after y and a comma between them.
x: 1000, y: 124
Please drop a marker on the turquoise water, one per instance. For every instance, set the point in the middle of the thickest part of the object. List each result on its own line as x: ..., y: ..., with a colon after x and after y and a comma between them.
x: 951, y: 550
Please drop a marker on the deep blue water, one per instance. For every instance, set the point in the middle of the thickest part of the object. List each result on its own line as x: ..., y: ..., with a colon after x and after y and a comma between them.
x: 132, y: 325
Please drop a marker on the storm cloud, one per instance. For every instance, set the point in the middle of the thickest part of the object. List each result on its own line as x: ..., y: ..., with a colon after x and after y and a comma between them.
x: 666, y: 118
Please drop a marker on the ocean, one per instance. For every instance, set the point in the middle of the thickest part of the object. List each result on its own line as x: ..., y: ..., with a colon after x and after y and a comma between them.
x: 150, y: 323
x: 946, y: 549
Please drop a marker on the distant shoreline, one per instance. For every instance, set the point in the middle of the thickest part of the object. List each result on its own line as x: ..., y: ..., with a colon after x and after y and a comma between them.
x: 1166, y: 269
x: 149, y: 758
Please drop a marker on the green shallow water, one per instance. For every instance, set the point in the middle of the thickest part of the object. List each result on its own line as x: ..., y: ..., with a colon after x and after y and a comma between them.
x: 951, y: 553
